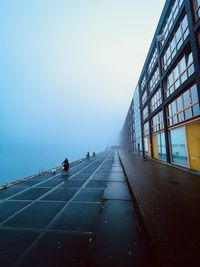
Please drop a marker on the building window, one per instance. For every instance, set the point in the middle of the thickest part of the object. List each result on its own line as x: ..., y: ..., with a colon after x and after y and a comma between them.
x: 156, y: 100
x: 144, y: 97
x: 196, y: 4
x: 178, y: 146
x: 153, y: 61
x: 159, y: 146
x: 176, y: 42
x: 157, y: 122
x: 184, y: 107
x: 183, y: 70
x: 145, y: 113
x: 143, y: 84
x: 170, y: 19
x: 154, y: 80
x: 146, y: 129
x: 146, y: 139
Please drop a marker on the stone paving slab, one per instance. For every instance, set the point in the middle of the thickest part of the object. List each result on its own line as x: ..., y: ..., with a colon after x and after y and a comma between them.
x: 116, y: 177
x: 31, y: 194
x: 49, y: 183
x: 97, y: 184
x: 77, y: 217
x: 117, y: 190
x: 60, y: 194
x: 7, y: 208
x: 56, y: 249
x: 5, y: 193
x: 38, y: 215
x: 13, y: 243
x: 100, y: 176
x: 72, y: 183
x: 89, y: 195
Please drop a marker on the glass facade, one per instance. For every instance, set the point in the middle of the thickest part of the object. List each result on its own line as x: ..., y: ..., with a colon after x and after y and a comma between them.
x: 161, y: 146
x: 146, y: 129
x: 178, y: 146
x: 154, y: 80
x: 157, y: 123
x: 176, y: 42
x: 137, y: 121
x: 147, y: 139
x: 146, y: 145
x: 184, y: 107
x: 156, y: 100
x: 153, y: 61
x: 145, y: 113
x: 143, y: 83
x: 171, y: 18
x: 144, y: 97
x: 180, y: 73
x: 167, y: 98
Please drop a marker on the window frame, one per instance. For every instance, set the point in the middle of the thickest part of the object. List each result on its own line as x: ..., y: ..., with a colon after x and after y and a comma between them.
x: 158, y: 126
x: 171, y: 83
x: 174, y: 44
x: 171, y: 115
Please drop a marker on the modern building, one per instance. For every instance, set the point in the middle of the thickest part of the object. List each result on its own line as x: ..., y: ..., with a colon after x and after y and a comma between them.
x: 168, y: 90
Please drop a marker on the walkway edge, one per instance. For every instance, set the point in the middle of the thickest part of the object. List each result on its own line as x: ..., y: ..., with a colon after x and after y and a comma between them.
x: 140, y: 214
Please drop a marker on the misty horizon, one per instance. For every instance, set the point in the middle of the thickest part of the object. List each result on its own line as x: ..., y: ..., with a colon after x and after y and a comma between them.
x: 68, y: 73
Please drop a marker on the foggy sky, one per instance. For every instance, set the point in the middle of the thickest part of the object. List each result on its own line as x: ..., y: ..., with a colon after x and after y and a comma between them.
x: 68, y: 70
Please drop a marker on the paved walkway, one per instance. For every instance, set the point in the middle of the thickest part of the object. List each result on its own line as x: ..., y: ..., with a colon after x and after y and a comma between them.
x: 84, y: 219
x: 168, y: 200
x: 118, y: 241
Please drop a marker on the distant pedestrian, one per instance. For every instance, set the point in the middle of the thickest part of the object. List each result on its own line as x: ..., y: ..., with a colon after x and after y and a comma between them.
x: 87, y: 155
x: 93, y: 154
x: 65, y: 165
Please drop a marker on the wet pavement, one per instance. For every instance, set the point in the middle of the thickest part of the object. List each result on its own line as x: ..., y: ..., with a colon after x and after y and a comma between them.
x: 167, y: 200
x: 118, y: 240
x: 83, y: 219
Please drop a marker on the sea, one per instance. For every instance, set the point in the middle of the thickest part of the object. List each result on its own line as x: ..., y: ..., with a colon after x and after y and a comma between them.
x: 21, y: 160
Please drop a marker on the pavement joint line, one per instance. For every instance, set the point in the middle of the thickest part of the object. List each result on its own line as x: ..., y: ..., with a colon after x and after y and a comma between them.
x: 57, y: 215
x: 86, y: 202
x: 117, y: 181
x: 53, y: 201
x: 117, y: 199
x: 95, y: 187
x: 31, y: 203
x: 18, y: 200
x: 61, y: 187
x: 40, y: 200
x: 45, y: 230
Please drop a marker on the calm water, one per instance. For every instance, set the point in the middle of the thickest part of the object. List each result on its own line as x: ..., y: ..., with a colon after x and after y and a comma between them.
x: 18, y: 161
